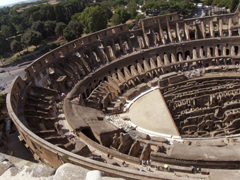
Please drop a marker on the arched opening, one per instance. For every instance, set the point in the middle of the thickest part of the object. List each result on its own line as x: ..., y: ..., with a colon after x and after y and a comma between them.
x: 236, y: 50
x: 83, y: 95
x: 229, y: 61
x: 219, y: 52
x: 192, y: 35
x: 187, y: 53
x: 204, y: 53
x: 227, y: 52
x: 105, y: 79
x: 88, y: 92
x: 86, y: 53
x: 178, y: 54
x: 117, y: 45
x: 129, y: 68
x: 170, y: 58
x: 122, y: 70
x: 109, y: 43
x: 211, y: 51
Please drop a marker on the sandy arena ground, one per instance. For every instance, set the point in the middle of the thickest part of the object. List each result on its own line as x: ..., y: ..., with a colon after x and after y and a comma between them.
x: 150, y: 112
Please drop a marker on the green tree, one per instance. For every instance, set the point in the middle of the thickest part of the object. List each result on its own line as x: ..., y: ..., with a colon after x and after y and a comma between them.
x: 93, y: 19
x: 38, y: 26
x: 123, y: 14
x: 8, y: 30
x: 75, y: 16
x: 132, y: 8
x: 108, y: 13
x: 208, y: 2
x: 5, y: 19
x: 138, y: 17
x: 31, y: 37
x: 76, y: 28
x: 16, y: 46
x: 49, y: 28
x: 68, y: 34
x: 116, y: 19
x: 59, y: 28
x: 5, y: 46
x: 234, y: 5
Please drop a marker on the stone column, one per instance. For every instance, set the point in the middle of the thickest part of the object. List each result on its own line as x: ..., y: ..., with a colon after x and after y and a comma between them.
x: 169, y: 30
x: 186, y: 31
x: 220, y: 27
x: 211, y: 28
x: 161, y: 32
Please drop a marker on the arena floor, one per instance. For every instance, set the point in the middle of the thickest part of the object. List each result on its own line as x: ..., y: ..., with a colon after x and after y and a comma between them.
x: 151, y: 113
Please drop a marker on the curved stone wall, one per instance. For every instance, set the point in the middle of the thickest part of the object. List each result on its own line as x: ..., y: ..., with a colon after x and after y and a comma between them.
x: 112, y: 63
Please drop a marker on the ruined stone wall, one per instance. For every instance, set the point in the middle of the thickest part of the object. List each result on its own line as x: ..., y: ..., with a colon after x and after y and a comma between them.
x: 159, y: 45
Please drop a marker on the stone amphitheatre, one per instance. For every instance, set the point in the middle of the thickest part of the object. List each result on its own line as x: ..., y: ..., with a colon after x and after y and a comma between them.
x: 166, y: 91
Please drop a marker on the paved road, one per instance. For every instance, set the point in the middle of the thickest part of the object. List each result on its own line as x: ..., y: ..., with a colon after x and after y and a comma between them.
x: 9, y: 74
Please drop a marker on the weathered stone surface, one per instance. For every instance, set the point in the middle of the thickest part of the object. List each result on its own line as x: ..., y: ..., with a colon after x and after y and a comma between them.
x: 111, y: 178
x: 125, y: 143
x: 96, y: 175
x: 41, y: 171
x: 4, y: 165
x: 146, y: 152
x: 115, y: 142
x: 82, y: 149
x: 70, y: 172
x: 27, y: 173
x: 134, y: 149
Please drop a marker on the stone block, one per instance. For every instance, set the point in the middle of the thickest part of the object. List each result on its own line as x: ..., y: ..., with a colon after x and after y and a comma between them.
x: 69, y: 172
x: 96, y: 175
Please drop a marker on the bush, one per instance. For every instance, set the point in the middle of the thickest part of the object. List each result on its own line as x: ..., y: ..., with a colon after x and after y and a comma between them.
x: 54, y: 45
x: 26, y: 52
x: 131, y: 25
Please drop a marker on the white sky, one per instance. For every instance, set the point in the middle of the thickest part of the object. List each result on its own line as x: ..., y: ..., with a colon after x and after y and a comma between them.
x: 6, y: 2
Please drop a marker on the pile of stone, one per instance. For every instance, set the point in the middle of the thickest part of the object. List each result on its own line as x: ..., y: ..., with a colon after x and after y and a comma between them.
x: 14, y: 169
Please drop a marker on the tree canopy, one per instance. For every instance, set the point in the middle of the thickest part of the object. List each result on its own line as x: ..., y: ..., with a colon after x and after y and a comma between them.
x: 93, y: 19
x: 8, y: 30
x: 123, y: 14
x: 73, y: 30
x: 5, y: 45
x: 49, y: 28
x: 138, y: 17
x: 132, y: 8
x: 16, y: 46
x: 59, y: 28
x: 38, y: 26
x: 31, y: 37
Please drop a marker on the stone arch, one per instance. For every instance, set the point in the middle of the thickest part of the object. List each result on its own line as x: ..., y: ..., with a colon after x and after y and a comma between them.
x: 227, y: 52
x: 178, y: 55
x: 219, y: 52
x: 109, y: 43
x: 170, y: 57
x: 211, y: 51
x: 187, y: 53
x: 155, y: 29
x: 192, y: 35
x: 236, y: 49
x: 117, y: 44
x: 86, y: 52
